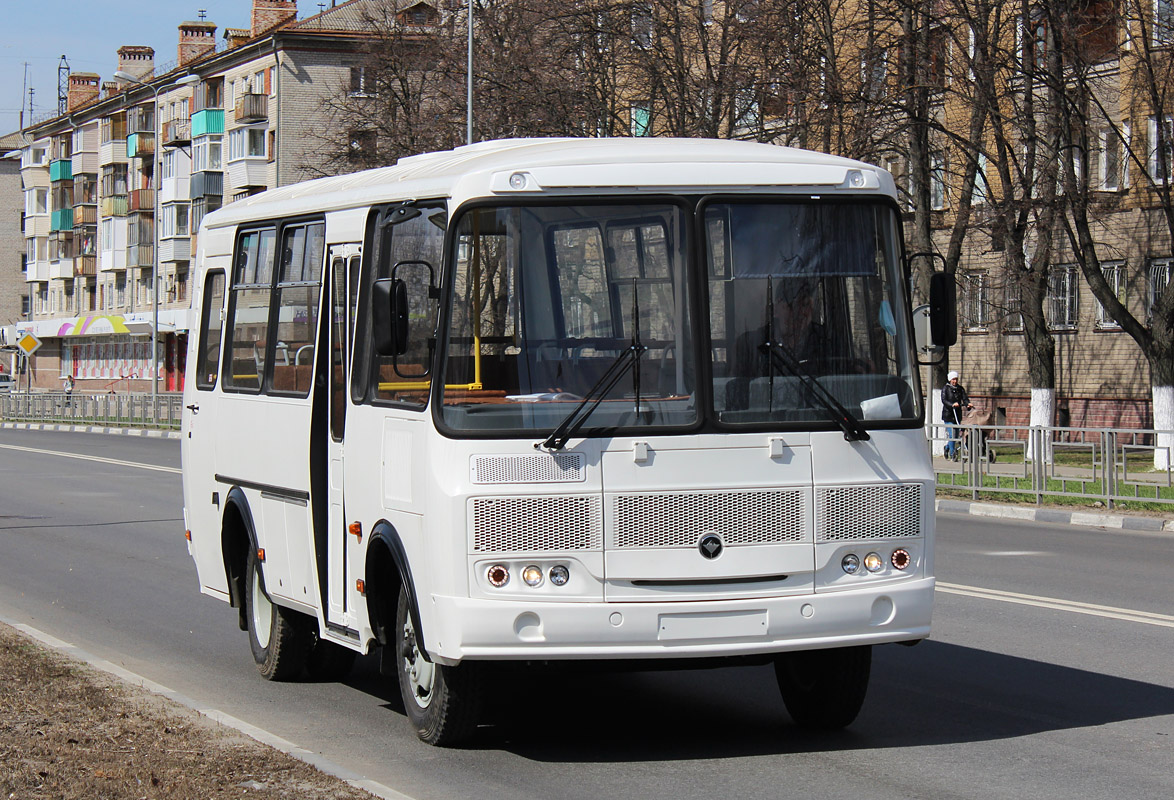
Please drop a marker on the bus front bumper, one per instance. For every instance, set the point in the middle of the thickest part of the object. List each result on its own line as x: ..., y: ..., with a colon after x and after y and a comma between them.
x: 465, y: 628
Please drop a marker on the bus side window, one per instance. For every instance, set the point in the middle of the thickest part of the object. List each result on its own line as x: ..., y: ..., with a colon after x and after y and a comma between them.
x: 211, y: 325
x: 299, y: 285
x: 248, y: 310
x: 415, y: 244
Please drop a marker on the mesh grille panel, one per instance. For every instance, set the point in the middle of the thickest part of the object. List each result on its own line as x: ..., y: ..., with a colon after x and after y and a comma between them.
x: 508, y: 524
x: 539, y: 468
x: 678, y: 520
x: 868, y: 512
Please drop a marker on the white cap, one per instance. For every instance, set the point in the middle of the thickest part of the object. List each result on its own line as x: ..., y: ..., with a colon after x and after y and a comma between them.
x: 951, y: 375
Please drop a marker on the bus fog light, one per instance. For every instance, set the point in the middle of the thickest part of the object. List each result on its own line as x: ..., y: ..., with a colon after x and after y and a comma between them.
x: 900, y: 558
x: 559, y: 575
x: 498, y: 575
x: 532, y: 575
x: 851, y: 563
x: 873, y: 562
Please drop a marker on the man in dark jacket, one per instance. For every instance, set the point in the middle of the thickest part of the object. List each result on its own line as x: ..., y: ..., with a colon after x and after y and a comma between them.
x: 955, y: 401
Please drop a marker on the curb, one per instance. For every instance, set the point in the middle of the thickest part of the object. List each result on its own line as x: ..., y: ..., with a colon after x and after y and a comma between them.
x: 153, y: 433
x: 1026, y: 513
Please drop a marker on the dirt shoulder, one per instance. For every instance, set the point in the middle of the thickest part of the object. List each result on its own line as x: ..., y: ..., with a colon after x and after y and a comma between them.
x: 70, y: 731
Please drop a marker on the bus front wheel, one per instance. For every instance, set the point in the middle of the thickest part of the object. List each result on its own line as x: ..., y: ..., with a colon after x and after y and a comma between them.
x: 824, y: 689
x: 277, y: 635
x: 443, y: 703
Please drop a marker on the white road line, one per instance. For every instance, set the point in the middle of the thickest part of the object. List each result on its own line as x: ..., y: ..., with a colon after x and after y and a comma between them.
x: 1092, y: 609
x: 99, y: 459
x: 260, y: 734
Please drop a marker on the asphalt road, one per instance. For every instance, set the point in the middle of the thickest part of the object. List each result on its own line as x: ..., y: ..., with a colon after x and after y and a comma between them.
x: 1050, y: 673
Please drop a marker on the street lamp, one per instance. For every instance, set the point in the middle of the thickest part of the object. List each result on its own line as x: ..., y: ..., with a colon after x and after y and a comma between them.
x: 186, y: 80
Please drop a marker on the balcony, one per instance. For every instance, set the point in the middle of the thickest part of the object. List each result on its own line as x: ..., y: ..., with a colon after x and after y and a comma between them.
x: 61, y: 220
x: 252, y: 108
x: 175, y: 250
x: 85, y: 215
x: 177, y: 132
x: 85, y: 265
x: 114, y: 206
x: 142, y: 200
x: 207, y: 121
x: 112, y: 152
x: 249, y: 173
x: 140, y: 255
x: 207, y: 184
x: 61, y: 170
x: 140, y: 145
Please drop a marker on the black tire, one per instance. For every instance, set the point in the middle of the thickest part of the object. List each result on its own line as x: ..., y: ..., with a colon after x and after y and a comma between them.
x: 277, y: 635
x: 327, y: 661
x: 824, y: 689
x: 442, y: 703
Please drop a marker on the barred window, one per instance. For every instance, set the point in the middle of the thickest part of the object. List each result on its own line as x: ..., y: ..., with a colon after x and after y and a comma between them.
x: 1063, y: 297
x: 1114, y: 273
x: 976, y: 307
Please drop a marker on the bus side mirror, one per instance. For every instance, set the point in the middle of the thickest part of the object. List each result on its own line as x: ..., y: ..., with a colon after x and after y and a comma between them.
x: 389, y: 307
x: 943, y: 309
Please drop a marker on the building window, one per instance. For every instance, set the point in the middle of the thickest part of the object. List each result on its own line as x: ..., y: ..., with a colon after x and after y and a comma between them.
x: 937, y: 181
x: 975, y: 302
x: 641, y: 119
x: 642, y: 24
x: 1111, y: 160
x: 206, y: 154
x: 246, y: 143
x: 362, y: 82
x: 1163, y: 21
x: 1161, y: 148
x: 1114, y: 273
x: 981, y: 191
x: 1157, y: 279
x: 362, y: 146
x: 1063, y: 297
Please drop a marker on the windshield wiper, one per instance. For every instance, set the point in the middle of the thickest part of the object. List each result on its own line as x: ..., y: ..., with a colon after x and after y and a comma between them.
x: 629, y: 359
x: 779, y: 354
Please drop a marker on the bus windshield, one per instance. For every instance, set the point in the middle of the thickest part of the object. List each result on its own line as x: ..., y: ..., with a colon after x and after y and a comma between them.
x: 582, y: 311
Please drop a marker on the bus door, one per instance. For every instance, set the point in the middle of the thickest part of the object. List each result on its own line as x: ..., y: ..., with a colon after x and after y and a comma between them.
x: 343, y: 290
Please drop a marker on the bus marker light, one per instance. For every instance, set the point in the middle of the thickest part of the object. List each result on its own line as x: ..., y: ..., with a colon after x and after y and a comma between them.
x: 532, y: 575
x: 187, y: 535
x: 518, y: 181
x: 873, y: 562
x: 356, y: 529
x: 261, y: 554
x: 900, y: 558
x: 498, y: 575
x: 559, y: 575
x: 850, y: 564
x: 360, y: 586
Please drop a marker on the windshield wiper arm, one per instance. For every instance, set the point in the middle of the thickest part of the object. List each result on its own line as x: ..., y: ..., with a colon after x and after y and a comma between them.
x: 628, y: 359
x: 780, y: 355
x: 572, y: 422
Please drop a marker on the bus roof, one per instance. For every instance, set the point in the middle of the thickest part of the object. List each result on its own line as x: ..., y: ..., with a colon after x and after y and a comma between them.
x: 567, y: 166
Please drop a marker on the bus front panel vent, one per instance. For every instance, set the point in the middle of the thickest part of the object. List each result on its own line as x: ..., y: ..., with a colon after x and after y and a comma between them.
x: 851, y: 513
x: 537, y: 468
x: 536, y: 524
x: 679, y: 519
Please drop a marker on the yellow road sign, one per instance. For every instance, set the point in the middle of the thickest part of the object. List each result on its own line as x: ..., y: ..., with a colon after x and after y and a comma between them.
x: 28, y: 343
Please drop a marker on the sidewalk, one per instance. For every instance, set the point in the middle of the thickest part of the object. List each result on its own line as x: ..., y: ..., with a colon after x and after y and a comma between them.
x: 154, y: 433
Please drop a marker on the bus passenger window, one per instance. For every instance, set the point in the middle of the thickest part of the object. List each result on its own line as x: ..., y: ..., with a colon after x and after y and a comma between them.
x: 211, y: 324
x: 299, y: 284
x: 248, y: 310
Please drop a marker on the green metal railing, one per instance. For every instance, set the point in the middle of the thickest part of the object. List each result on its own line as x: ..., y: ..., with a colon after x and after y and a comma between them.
x: 109, y: 410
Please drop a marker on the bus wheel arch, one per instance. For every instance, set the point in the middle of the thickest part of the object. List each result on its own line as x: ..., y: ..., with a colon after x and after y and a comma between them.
x: 238, y: 538
x: 386, y: 570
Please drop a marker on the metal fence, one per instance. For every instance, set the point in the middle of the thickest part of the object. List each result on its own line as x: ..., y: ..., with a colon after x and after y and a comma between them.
x: 114, y: 410
x: 1112, y: 465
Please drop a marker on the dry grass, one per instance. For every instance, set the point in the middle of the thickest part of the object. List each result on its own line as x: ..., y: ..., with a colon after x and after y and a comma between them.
x: 69, y: 731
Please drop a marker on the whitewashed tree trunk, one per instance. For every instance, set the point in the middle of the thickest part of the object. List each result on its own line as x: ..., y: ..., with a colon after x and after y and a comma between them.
x: 937, y: 429
x: 1164, y: 423
x: 1043, y: 411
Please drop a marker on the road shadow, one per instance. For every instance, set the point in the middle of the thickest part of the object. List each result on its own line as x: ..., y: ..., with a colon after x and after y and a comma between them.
x: 932, y: 694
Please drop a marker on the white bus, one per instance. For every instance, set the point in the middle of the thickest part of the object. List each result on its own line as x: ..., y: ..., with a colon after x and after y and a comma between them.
x: 551, y: 400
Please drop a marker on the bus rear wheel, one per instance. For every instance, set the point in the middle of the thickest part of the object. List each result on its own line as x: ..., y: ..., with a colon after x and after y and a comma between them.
x: 277, y: 635
x: 824, y: 689
x: 443, y: 703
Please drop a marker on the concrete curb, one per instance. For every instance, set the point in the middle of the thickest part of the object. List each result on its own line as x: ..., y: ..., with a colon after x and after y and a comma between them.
x: 1125, y: 522
x: 87, y: 428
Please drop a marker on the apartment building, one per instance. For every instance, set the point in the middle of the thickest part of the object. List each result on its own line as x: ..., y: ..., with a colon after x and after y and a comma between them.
x: 115, y: 189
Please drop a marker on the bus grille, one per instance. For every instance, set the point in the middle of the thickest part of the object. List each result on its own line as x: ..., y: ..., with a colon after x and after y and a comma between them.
x: 539, y: 468
x: 680, y: 519
x: 844, y: 513
x: 516, y: 524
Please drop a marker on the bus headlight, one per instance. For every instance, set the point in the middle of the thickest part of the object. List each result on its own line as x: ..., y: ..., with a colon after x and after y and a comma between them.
x: 532, y: 575
x: 559, y: 575
x: 873, y: 562
x: 851, y: 564
x: 498, y: 575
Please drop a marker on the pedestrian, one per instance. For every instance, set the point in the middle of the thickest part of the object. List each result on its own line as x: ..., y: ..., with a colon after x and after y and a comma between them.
x: 955, y: 402
x: 67, y: 382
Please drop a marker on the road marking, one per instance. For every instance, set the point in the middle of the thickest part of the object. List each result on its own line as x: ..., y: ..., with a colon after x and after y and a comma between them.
x: 99, y: 459
x: 1006, y: 553
x: 1108, y: 612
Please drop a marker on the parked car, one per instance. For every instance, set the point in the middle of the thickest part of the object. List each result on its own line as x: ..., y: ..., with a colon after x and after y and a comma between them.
x: 6, y: 382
